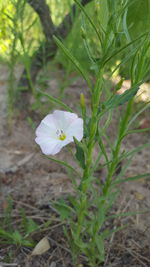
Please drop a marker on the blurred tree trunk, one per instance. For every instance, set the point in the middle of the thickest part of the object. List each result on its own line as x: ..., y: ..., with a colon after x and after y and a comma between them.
x: 47, y: 50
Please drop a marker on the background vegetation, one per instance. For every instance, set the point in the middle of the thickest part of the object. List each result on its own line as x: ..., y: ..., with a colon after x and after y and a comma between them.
x: 101, y: 40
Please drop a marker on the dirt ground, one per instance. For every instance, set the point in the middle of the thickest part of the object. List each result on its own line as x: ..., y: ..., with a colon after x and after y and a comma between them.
x: 33, y: 182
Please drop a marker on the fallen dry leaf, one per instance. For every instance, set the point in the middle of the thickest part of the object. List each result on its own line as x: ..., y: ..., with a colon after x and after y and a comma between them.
x: 138, y: 196
x: 41, y: 247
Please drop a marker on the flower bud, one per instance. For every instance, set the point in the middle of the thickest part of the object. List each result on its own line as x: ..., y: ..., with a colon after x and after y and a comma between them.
x: 82, y: 100
x: 83, y: 33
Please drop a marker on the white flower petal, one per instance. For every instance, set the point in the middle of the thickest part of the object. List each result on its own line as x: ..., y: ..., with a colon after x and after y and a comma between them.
x: 64, y: 118
x: 49, y: 146
x: 44, y: 130
x: 75, y: 129
x: 70, y: 117
x: 50, y: 121
x: 59, y: 119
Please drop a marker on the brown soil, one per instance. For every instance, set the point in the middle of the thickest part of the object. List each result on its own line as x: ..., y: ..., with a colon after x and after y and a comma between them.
x: 32, y: 181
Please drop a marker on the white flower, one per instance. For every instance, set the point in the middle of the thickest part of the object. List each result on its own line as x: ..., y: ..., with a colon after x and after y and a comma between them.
x: 57, y: 130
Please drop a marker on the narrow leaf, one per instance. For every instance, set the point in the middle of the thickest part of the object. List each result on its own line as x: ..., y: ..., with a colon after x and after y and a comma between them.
x: 133, y: 178
x: 56, y: 101
x: 63, y: 209
x: 145, y: 106
x: 138, y: 131
x: 89, y: 19
x: 73, y: 60
x: 117, y: 100
x: 79, y: 154
x: 135, y: 150
x: 100, y: 247
x: 124, y: 47
x: 107, y: 233
x: 125, y: 214
x: 64, y: 164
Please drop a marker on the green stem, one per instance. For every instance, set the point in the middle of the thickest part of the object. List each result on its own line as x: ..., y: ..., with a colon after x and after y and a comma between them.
x: 85, y: 183
x: 122, y: 130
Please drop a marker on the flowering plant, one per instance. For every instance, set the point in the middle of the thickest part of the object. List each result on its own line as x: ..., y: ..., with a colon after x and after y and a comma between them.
x: 86, y: 214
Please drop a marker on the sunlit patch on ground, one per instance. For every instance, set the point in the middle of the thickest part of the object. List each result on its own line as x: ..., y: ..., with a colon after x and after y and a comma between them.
x: 143, y: 94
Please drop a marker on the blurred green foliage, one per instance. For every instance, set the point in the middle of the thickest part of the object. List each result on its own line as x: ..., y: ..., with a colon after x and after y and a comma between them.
x: 137, y: 17
x: 18, y: 19
x: 29, y: 24
x: 118, y: 23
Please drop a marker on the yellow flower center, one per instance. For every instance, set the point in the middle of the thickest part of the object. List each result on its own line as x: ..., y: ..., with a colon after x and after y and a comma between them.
x: 62, y: 136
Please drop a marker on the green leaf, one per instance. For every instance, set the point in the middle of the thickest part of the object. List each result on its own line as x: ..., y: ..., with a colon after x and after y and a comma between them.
x: 117, y: 100
x: 135, y: 150
x: 126, y: 46
x: 56, y: 101
x: 79, y: 153
x: 133, y: 178
x: 125, y: 26
x: 111, y: 199
x: 124, y: 168
x: 89, y: 19
x: 31, y: 226
x: 73, y: 60
x: 74, y: 202
x: 134, y: 117
x: 130, y: 213
x: 64, y: 164
x: 17, y: 237
x: 138, y: 131
x: 107, y: 233
x: 119, y: 84
x: 102, y: 147
x: 101, y: 217
x: 78, y: 241
x: 5, y: 234
x: 100, y: 247
x: 64, y: 210
x: 27, y: 243
x: 14, y: 238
